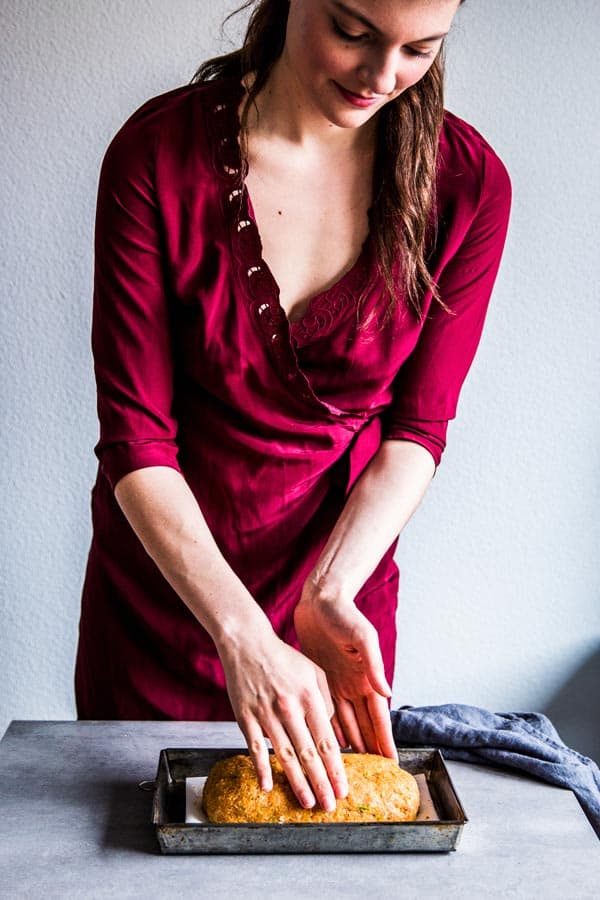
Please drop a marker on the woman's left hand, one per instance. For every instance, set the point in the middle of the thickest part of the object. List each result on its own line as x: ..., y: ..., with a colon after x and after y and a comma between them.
x: 342, y: 641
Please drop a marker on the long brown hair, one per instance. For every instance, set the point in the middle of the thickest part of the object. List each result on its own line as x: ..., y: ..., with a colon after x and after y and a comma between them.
x: 403, y: 220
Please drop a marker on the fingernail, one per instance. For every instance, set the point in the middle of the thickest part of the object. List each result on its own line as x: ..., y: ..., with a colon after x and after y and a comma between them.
x: 329, y: 804
x: 307, y: 801
x: 341, y: 790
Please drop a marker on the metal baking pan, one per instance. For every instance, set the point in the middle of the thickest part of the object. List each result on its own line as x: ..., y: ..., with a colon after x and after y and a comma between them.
x: 176, y: 836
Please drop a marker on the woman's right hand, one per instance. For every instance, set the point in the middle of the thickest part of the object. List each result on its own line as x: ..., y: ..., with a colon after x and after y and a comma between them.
x: 275, y: 691
x: 278, y: 693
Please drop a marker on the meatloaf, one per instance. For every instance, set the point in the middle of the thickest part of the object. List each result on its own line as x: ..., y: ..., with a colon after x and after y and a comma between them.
x: 378, y: 791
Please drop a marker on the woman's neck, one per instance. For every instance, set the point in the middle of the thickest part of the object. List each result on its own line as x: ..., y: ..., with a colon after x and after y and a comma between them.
x: 286, y: 114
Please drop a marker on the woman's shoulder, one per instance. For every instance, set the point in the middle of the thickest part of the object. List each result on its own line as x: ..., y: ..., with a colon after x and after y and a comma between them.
x: 467, y: 161
x: 182, y: 103
x: 175, y: 123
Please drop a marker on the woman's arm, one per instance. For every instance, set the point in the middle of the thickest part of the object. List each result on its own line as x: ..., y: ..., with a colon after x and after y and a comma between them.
x: 331, y: 630
x: 391, y: 487
x: 274, y: 689
x: 381, y: 503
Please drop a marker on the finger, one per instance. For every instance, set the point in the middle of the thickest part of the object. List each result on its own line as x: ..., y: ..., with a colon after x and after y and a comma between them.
x: 287, y: 756
x: 382, y: 725
x: 339, y: 731
x: 365, y: 724
x: 324, y: 739
x: 313, y: 766
x: 330, y: 707
x: 259, y: 753
x: 349, y: 722
x: 370, y: 651
x: 324, y: 688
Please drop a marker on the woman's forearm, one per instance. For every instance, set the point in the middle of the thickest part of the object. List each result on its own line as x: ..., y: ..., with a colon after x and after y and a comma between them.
x: 379, y: 506
x: 165, y: 515
x: 274, y: 690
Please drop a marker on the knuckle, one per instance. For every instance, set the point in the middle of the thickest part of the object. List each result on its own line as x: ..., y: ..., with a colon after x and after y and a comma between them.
x: 284, y: 704
x: 256, y: 747
x: 307, y: 755
x: 312, y: 698
x: 244, y: 717
x: 286, y: 753
x: 325, y: 746
x: 306, y: 689
x: 262, y: 711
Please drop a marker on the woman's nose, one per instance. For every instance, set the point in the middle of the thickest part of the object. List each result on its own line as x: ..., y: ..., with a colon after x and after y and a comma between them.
x: 379, y: 73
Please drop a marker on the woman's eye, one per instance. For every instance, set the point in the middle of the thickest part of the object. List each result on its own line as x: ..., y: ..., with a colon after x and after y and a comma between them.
x: 418, y: 54
x: 344, y: 34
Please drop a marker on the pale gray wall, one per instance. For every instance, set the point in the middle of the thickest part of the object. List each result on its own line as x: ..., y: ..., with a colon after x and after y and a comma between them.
x: 500, y: 588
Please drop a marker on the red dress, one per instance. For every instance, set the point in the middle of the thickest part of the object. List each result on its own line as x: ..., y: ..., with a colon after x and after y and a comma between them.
x: 270, y: 423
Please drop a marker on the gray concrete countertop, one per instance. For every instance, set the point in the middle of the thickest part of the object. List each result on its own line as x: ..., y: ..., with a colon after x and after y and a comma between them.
x: 75, y: 825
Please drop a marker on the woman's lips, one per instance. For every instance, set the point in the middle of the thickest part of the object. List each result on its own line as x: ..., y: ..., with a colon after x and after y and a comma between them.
x: 356, y: 99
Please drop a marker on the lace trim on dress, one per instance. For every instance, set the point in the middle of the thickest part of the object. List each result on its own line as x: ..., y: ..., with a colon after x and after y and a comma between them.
x: 256, y: 280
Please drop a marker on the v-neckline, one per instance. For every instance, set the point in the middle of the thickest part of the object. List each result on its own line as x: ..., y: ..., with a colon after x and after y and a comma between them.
x: 245, y: 198
x: 316, y: 298
x: 283, y: 339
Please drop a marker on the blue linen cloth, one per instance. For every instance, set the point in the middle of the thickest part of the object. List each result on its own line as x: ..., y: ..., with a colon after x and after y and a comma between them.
x: 525, y: 740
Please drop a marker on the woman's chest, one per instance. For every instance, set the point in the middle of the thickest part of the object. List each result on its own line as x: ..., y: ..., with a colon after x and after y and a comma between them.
x: 312, y: 224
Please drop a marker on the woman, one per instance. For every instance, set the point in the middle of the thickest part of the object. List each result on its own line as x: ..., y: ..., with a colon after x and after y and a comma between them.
x: 294, y: 257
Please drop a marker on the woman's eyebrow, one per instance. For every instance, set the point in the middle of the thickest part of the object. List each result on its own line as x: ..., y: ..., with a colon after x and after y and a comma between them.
x: 359, y: 16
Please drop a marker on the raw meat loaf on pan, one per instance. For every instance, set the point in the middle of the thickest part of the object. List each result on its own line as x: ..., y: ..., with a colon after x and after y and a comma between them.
x: 379, y: 791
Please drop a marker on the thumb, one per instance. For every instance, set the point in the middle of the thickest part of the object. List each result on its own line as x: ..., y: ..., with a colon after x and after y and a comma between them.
x: 373, y: 662
x: 324, y: 688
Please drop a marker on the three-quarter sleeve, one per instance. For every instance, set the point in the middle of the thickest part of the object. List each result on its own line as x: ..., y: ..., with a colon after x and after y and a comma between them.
x: 428, y: 385
x: 131, y: 338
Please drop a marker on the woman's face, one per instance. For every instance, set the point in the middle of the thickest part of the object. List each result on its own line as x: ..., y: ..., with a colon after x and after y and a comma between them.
x: 348, y: 58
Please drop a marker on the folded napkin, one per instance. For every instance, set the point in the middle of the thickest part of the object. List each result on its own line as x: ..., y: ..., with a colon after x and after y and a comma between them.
x: 526, y: 741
